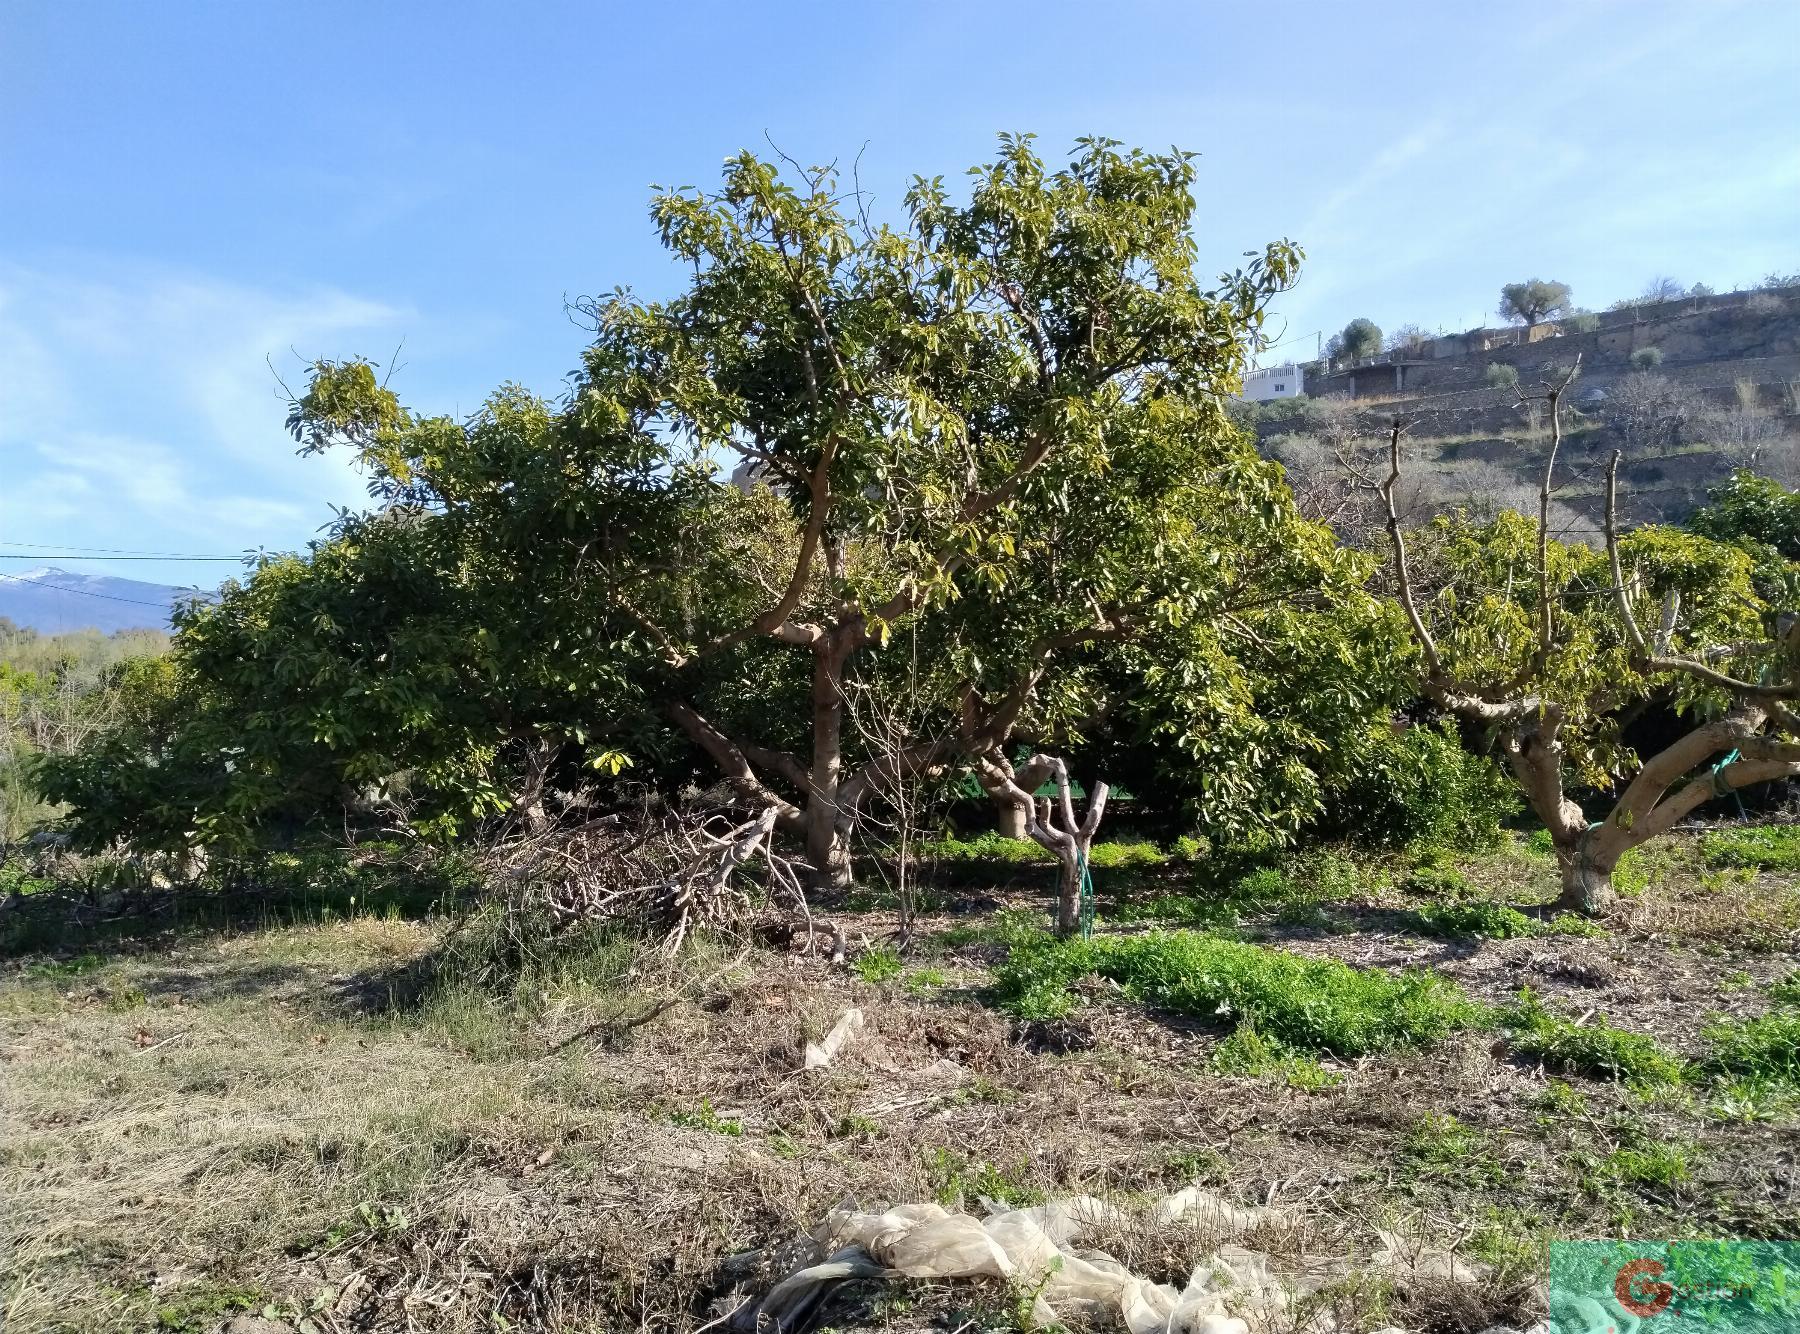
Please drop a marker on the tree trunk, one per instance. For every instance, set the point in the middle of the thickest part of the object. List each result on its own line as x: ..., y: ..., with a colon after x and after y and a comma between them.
x: 827, y: 846
x: 1587, y: 886
x: 1010, y: 819
x: 1068, y: 884
x: 827, y: 834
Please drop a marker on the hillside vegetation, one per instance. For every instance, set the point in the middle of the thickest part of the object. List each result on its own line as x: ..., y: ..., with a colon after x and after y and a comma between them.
x: 1692, y: 389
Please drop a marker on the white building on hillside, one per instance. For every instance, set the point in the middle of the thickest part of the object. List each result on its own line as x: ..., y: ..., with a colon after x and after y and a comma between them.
x: 1272, y: 382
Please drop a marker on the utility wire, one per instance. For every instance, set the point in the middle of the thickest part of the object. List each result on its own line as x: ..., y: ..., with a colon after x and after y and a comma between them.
x: 84, y: 592
x: 77, y: 555
x: 122, y: 551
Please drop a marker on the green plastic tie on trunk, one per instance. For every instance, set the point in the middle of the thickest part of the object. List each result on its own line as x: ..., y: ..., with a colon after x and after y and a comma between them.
x: 1085, y: 914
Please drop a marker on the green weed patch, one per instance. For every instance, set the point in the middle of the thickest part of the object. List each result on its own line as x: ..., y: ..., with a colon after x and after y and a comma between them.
x: 1763, y: 848
x: 1595, y: 1048
x: 1475, y: 917
x: 1308, y: 1005
x: 1766, y: 1048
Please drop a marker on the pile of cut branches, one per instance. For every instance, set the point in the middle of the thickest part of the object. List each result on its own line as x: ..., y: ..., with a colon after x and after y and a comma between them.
x: 662, y: 870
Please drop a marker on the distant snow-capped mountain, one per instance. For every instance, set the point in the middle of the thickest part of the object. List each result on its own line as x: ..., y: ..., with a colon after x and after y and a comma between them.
x: 53, y: 601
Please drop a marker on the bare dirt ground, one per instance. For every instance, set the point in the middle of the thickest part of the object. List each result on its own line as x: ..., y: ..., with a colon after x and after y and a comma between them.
x: 281, y: 1126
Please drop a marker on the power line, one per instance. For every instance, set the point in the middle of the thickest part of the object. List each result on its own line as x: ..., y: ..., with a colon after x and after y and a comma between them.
x: 77, y: 555
x: 86, y: 593
x: 124, y: 551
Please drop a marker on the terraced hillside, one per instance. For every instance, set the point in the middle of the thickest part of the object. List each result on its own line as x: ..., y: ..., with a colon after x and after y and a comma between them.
x: 1689, y: 390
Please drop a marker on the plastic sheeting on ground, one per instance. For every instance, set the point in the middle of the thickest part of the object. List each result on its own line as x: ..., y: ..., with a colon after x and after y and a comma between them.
x: 1034, y: 1249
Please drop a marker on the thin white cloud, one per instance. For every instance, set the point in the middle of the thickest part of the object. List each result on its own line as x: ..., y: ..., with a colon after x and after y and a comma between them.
x: 139, y: 405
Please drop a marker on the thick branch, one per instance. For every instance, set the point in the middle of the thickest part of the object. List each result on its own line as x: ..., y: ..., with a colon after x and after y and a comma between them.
x: 1738, y: 774
x: 1663, y: 769
x: 732, y: 762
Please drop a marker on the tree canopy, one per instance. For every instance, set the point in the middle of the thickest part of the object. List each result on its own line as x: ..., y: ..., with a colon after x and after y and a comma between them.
x: 984, y: 451
x: 1533, y: 300
x: 1360, y: 338
x: 1545, y: 646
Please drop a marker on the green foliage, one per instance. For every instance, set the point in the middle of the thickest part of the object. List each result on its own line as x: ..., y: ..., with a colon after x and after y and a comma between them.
x: 1126, y: 856
x: 705, y: 1118
x: 1309, y: 1005
x: 880, y: 964
x: 1760, y: 847
x: 956, y: 1180
x: 55, y: 692
x: 1416, y: 788
x: 1594, y: 1048
x: 1646, y: 358
x: 1652, y: 1164
x: 1787, y: 990
x: 1573, y: 924
x: 1502, y: 375
x: 991, y: 427
x: 1474, y: 917
x: 1247, y: 1051
x: 1767, y: 1047
x: 1533, y: 300
x: 922, y: 980
x: 1583, y: 322
x: 986, y: 849
x: 1763, y: 517
x: 1560, y: 1099
x: 1439, y: 1145
x: 1749, y: 1099
x: 1482, y: 606
x: 1360, y: 338
x: 203, y: 1307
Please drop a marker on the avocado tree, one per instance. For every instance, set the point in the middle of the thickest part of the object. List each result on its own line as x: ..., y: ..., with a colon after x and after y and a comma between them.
x: 985, y: 449
x: 1544, y: 645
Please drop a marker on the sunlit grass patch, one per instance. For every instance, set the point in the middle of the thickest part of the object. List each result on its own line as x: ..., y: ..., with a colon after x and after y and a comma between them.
x: 1595, y: 1048
x: 1311, y: 1005
x: 1759, y: 847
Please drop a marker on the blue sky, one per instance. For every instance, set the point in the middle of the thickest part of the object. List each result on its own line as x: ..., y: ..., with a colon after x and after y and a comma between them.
x: 190, y: 191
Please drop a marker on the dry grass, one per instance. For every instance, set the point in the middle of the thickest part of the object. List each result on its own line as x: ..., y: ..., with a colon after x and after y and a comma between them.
x: 299, y: 1119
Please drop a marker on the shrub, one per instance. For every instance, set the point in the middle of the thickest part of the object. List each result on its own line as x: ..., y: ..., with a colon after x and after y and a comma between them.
x: 1646, y: 358
x: 1309, y: 1005
x: 1187, y: 848
x: 1418, y: 789
x: 1590, y: 1049
x: 1502, y: 375
x: 1582, y: 322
